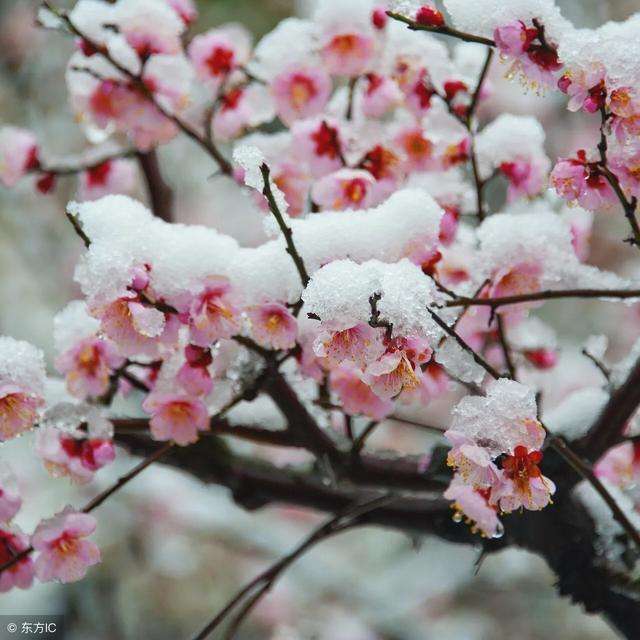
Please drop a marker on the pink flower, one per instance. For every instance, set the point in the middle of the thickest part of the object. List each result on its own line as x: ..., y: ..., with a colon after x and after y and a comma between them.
x: 176, y: 417
x: 624, y: 104
x: 212, y: 313
x: 513, y: 280
x: 522, y: 484
x: 449, y: 225
x: 18, y: 154
x: 300, y: 92
x: 20, y: 574
x: 526, y: 177
x: 137, y: 329
x: 149, y: 27
x: 10, y: 500
x: 626, y: 166
x: 347, y: 54
x: 585, y: 88
x: 294, y: 182
x: 380, y: 95
x: 620, y: 465
x: 88, y: 366
x: 535, y: 57
x: 472, y: 504
x: 515, y: 38
x: 429, y: 16
x: 360, y: 344
x: 577, y: 179
x: 473, y: 463
x: 64, y: 554
x: 194, y: 376
x: 240, y: 108
x: 356, y: 397
x: 273, y: 326
x: 417, y: 149
x: 391, y: 374
x: 112, y: 176
x: 344, y: 189
x: 77, y: 455
x: 18, y: 410
x: 318, y: 144
x: 218, y: 52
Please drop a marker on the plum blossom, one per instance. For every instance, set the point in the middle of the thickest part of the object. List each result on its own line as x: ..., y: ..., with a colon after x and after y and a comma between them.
x: 10, y: 499
x: 186, y: 9
x: 522, y: 484
x: 18, y: 154
x: 417, y: 149
x: 580, y: 180
x: 620, y: 465
x: 391, y: 374
x: 534, y: 56
x: 137, y: 328
x: 77, y: 453
x: 356, y: 396
x: 586, y: 88
x: 273, y: 326
x: 18, y: 410
x: 344, y: 189
x: 212, y: 313
x: 241, y: 107
x: 112, y: 176
x: 300, y: 92
x: 626, y: 166
x: 64, y: 553
x: 318, y: 143
x: 194, y: 375
x: 218, y: 52
x: 379, y: 96
x: 360, y: 344
x: 176, y: 417
x: 526, y: 177
x: 20, y: 574
x: 472, y: 504
x: 88, y: 366
x: 346, y: 53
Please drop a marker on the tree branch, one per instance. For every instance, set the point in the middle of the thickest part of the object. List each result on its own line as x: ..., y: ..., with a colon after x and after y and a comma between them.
x: 160, y: 193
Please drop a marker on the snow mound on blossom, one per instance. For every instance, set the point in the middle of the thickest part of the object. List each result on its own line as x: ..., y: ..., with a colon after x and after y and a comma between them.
x: 125, y: 235
x: 608, y: 530
x: 21, y: 364
x: 261, y: 412
x: 481, y: 18
x: 447, y: 187
x: 540, y: 237
x: 509, y: 138
x: 339, y: 294
x: 613, y: 46
x: 497, y: 421
x: 355, y: 14
x: 408, y: 220
x: 575, y: 415
x: 72, y: 324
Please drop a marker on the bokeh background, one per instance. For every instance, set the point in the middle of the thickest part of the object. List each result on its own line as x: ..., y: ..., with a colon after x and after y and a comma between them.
x: 174, y: 549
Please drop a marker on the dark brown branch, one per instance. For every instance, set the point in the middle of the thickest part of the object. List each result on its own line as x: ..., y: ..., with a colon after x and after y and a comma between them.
x: 478, y: 90
x: 444, y: 30
x: 608, y: 428
x: 160, y: 193
x: 72, y: 167
x: 77, y: 227
x: 286, y: 230
x: 506, y: 350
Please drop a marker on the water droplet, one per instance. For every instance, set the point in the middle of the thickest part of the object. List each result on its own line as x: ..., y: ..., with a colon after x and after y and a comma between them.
x: 499, y: 531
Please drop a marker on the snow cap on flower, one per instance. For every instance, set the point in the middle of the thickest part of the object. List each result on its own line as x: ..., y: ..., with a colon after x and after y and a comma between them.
x: 22, y: 377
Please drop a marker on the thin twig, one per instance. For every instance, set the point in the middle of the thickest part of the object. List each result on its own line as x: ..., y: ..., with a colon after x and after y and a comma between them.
x: 286, y: 230
x: 359, y: 442
x: 444, y: 30
x: 265, y: 580
x: 622, y: 294
x: 474, y: 354
x: 506, y: 350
